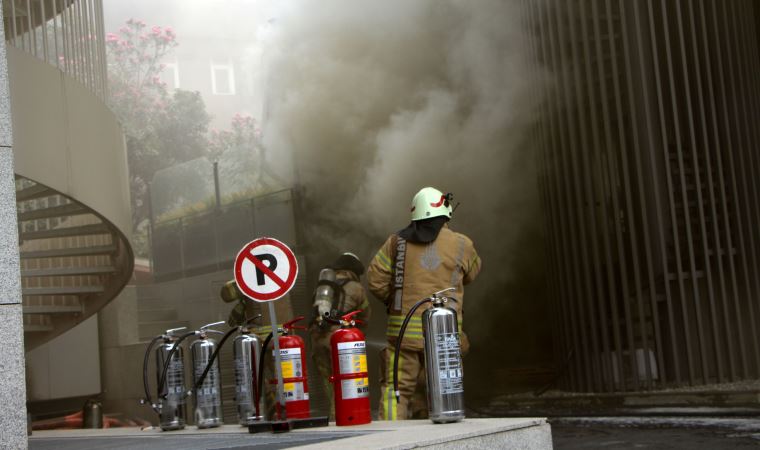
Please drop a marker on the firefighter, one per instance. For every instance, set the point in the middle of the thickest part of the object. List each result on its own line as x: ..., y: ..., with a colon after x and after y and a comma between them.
x: 425, y: 257
x: 338, y: 292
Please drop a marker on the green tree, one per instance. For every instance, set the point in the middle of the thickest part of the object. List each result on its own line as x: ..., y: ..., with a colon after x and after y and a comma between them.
x: 162, y: 129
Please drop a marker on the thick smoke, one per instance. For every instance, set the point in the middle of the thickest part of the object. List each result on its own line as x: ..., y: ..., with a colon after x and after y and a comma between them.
x: 371, y: 101
x: 375, y: 100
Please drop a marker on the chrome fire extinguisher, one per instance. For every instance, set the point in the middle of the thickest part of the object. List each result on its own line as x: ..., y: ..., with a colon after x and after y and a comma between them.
x: 350, y: 377
x: 170, y: 374
x: 208, y: 388
x: 246, y: 350
x: 443, y: 358
x: 293, y: 367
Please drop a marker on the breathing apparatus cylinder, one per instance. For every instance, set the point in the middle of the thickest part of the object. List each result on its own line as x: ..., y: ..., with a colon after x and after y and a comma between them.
x: 443, y: 358
x: 350, y: 377
x: 208, y: 392
x: 293, y: 367
x: 324, y: 295
x: 170, y: 376
x: 246, y: 349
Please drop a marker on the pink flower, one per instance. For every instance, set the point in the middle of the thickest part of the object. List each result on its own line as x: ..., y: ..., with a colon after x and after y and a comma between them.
x: 112, y: 37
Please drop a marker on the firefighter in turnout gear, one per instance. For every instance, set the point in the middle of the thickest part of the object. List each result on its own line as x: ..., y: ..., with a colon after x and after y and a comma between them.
x: 339, y: 291
x: 425, y: 257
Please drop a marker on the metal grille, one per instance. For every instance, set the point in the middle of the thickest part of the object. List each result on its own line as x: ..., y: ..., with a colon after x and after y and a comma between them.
x: 648, y: 138
x: 67, y: 34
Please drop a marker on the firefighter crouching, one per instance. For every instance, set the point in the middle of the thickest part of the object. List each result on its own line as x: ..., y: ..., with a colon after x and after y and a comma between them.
x: 338, y: 292
x: 423, y: 258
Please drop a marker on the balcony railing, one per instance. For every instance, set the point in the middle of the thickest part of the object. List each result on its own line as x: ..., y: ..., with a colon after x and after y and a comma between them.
x: 67, y: 34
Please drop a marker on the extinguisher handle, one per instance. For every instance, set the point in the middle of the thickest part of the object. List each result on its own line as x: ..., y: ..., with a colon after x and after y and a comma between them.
x: 290, y: 324
x: 350, y: 316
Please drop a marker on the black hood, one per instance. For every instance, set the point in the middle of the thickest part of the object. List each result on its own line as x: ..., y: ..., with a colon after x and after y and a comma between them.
x: 423, y: 231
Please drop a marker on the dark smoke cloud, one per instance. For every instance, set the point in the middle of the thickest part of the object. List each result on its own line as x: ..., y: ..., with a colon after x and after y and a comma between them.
x: 375, y: 100
x: 371, y: 101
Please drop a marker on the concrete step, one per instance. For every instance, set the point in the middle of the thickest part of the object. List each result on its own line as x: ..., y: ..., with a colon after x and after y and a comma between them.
x: 150, y: 303
x: 68, y: 271
x: 72, y: 209
x: 74, y: 251
x: 32, y: 192
x: 84, y: 230
x: 53, y: 309
x: 62, y: 290
x: 157, y: 314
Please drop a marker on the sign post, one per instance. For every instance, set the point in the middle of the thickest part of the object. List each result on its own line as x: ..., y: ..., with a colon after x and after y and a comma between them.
x: 265, y: 270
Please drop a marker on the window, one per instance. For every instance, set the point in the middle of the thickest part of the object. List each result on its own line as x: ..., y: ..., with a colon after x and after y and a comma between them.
x: 222, y: 79
x: 170, y: 75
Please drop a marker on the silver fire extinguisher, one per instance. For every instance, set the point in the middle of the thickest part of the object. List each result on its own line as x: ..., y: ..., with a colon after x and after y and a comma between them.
x: 208, y: 391
x: 246, y: 349
x: 443, y: 358
x: 170, y: 374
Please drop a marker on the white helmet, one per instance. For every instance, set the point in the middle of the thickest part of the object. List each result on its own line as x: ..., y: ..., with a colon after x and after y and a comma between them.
x: 430, y: 202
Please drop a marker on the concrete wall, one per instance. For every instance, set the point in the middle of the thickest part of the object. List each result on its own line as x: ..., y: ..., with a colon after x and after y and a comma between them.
x: 67, y: 366
x: 58, y: 121
x: 12, y: 386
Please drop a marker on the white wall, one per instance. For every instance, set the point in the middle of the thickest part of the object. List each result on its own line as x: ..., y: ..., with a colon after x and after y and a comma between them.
x: 67, y: 366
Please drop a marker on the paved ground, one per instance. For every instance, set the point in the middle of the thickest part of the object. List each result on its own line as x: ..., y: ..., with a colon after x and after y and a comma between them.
x: 528, y: 433
x: 656, y: 433
x: 186, y: 442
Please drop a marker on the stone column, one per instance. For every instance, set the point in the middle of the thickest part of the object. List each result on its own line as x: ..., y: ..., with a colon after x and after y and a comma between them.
x: 12, y: 378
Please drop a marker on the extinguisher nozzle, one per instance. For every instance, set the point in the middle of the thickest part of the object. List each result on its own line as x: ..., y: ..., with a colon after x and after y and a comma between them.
x: 398, y: 396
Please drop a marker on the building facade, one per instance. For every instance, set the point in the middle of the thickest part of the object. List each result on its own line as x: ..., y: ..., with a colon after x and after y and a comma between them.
x: 648, y: 154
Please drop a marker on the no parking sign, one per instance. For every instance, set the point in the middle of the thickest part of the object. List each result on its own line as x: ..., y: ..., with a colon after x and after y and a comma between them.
x: 265, y: 269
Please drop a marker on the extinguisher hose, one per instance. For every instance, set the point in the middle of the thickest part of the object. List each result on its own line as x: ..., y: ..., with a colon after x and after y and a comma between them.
x: 162, y: 380
x: 398, y: 344
x: 202, y: 378
x: 261, y: 366
x: 146, y: 385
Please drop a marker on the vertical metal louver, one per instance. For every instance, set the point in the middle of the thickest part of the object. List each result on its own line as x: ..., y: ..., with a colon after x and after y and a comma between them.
x: 648, y: 158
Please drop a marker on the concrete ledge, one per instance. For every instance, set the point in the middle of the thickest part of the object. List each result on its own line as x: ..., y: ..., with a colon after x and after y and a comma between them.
x: 523, y: 433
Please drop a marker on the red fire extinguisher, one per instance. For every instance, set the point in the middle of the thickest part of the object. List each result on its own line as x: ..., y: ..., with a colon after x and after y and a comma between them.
x: 293, y: 366
x: 350, y: 378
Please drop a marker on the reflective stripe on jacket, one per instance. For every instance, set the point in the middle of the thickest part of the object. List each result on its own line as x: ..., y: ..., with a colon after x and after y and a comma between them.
x: 449, y: 261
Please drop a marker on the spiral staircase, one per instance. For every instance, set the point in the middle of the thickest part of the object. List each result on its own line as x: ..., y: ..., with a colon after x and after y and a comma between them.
x: 73, y: 261
x: 72, y: 188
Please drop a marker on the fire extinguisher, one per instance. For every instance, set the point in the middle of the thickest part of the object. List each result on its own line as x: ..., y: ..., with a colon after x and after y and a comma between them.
x: 293, y: 367
x: 443, y: 358
x: 206, y: 378
x: 170, y: 374
x: 350, y: 377
x: 246, y: 350
x: 246, y: 355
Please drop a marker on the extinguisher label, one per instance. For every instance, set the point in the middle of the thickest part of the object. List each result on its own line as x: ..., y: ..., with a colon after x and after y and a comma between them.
x: 352, y: 357
x: 449, y: 363
x: 175, y: 388
x: 243, y: 380
x: 354, y: 388
x: 294, y: 392
x: 290, y: 362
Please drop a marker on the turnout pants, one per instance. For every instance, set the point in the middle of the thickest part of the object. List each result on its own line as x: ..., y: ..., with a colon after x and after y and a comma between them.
x: 411, y: 384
